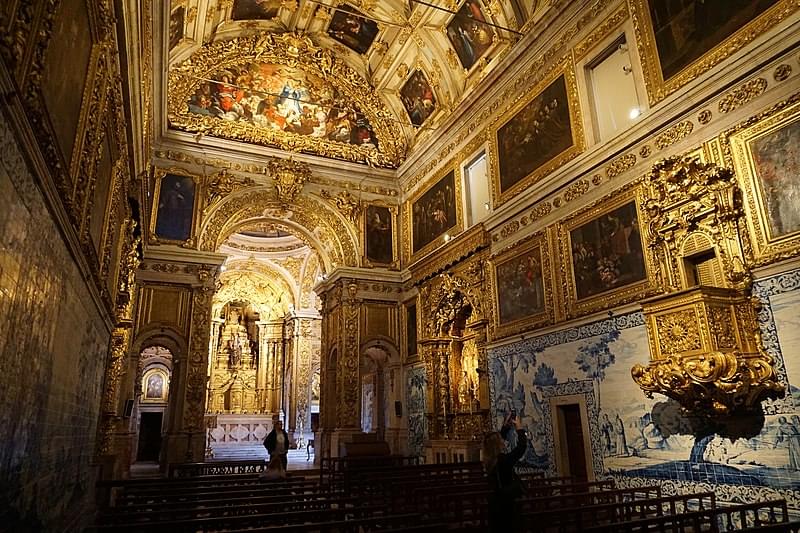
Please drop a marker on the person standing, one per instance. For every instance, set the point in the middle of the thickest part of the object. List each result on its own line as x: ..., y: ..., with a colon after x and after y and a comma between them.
x: 277, y: 443
x: 505, y: 485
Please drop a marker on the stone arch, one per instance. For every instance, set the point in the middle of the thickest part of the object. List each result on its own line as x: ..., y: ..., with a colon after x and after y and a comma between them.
x: 312, y: 221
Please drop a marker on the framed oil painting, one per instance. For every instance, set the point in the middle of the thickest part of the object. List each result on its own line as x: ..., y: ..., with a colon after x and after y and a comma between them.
x: 765, y: 153
x: 522, y: 287
x: 177, y: 19
x: 435, y: 211
x: 255, y: 9
x: 469, y: 34
x: 379, y: 241
x: 411, y: 331
x: 349, y: 27
x: 536, y: 135
x: 680, y: 40
x: 418, y: 98
x: 69, y: 71
x: 155, y: 386
x: 604, y: 258
x: 174, y: 206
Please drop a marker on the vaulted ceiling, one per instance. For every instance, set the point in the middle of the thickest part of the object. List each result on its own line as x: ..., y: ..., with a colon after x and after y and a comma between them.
x: 363, y: 81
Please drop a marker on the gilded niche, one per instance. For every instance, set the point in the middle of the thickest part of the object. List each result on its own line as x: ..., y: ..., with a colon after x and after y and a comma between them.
x: 705, y: 343
x: 283, y: 91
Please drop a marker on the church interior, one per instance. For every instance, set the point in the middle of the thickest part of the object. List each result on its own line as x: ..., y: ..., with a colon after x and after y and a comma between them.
x: 389, y: 225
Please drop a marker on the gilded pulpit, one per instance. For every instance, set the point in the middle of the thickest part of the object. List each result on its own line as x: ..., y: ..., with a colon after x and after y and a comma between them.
x: 705, y: 345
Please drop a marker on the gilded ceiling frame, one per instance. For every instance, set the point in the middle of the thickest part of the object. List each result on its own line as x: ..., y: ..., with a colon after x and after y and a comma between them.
x: 295, y: 51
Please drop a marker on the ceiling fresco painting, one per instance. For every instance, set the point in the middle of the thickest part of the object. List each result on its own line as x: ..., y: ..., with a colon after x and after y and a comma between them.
x: 255, y: 9
x: 363, y: 81
x: 469, y: 34
x: 284, y: 99
x: 418, y: 98
x: 352, y: 29
x: 283, y: 91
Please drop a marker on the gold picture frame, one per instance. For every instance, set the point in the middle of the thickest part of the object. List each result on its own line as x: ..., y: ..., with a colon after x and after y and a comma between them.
x: 409, y: 357
x: 393, y: 213
x: 744, y: 148
x: 194, y: 224
x: 412, y: 254
x: 583, y: 296
x: 535, y: 247
x: 566, y: 69
x: 657, y: 86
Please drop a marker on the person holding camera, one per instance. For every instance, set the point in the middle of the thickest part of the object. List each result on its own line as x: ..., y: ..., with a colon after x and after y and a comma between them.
x: 505, y: 485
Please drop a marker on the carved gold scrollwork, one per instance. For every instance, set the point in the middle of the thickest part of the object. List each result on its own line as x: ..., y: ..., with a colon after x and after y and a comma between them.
x: 345, y: 203
x: 289, y: 176
x: 222, y: 184
x: 705, y: 345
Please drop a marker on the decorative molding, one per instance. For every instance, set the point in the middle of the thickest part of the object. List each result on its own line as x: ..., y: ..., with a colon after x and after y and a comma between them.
x: 742, y: 95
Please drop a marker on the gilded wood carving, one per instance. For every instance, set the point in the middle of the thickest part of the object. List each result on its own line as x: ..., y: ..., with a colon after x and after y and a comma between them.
x: 282, y: 90
x: 763, y: 150
x: 690, y: 38
x: 602, y: 259
x: 522, y: 286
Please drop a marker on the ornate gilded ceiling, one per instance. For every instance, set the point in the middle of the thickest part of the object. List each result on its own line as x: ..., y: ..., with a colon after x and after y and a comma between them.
x: 362, y: 81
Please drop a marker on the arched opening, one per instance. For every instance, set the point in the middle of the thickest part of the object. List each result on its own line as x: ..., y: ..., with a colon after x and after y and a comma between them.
x: 151, y: 403
x: 265, y: 342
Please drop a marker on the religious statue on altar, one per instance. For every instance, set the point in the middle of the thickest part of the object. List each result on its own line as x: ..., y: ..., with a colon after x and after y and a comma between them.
x: 235, y: 342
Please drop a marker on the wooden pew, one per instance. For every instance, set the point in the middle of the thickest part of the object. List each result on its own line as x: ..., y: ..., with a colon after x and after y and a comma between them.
x: 733, y: 518
x: 573, y: 519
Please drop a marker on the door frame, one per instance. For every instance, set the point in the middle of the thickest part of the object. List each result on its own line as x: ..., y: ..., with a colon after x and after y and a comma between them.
x: 559, y: 434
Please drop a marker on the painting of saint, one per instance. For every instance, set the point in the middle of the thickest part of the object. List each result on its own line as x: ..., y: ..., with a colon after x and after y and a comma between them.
x: 607, y: 252
x: 520, y: 287
x: 411, y: 327
x: 685, y: 31
x: 175, y: 208
x: 276, y: 97
x: 434, y: 213
x: 776, y: 157
x: 350, y: 28
x: 378, y: 222
x: 469, y: 34
x: 418, y: 99
x: 155, y: 387
x: 535, y: 135
x: 176, y: 21
x: 255, y: 9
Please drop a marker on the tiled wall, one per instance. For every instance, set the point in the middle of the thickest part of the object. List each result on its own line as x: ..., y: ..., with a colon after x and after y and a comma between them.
x: 415, y: 406
x: 595, y: 360
x: 52, y: 349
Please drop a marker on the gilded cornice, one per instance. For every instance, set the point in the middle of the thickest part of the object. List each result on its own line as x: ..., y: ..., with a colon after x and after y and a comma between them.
x: 454, y: 251
x: 295, y: 51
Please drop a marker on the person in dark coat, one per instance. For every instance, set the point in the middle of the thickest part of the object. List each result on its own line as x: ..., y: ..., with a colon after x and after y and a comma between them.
x: 277, y: 443
x: 505, y: 485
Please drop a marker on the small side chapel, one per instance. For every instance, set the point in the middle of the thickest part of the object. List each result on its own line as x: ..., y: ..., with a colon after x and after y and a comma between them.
x: 388, y: 225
